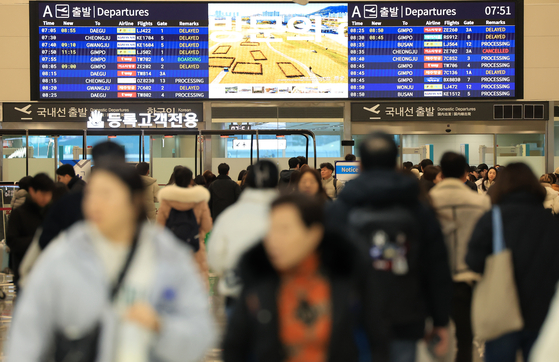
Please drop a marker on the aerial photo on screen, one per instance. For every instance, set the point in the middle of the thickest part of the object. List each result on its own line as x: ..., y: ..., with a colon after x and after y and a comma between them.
x: 278, y: 50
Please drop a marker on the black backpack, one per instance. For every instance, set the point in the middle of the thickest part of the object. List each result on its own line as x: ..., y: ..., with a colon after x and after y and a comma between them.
x: 389, y: 236
x: 185, y: 227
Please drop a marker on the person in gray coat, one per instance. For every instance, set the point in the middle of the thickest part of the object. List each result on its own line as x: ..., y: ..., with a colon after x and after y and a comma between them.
x: 160, y: 311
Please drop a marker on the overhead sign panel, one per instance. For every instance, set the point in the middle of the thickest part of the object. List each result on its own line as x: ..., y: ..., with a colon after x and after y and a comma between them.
x: 107, y: 115
x: 448, y: 111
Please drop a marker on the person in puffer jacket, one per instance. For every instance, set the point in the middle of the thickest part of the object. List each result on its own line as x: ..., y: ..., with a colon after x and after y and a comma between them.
x: 21, y: 194
x: 182, y: 196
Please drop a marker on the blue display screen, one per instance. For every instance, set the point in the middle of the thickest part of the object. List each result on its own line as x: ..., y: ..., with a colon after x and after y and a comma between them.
x: 432, y: 49
x: 199, y: 50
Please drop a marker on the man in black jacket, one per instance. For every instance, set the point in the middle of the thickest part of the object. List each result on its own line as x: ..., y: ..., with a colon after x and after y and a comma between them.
x: 415, y: 273
x: 67, y: 175
x: 224, y: 192
x: 26, y: 219
x: 68, y: 210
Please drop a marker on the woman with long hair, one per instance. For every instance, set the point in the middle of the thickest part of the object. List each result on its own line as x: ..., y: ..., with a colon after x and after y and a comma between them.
x: 210, y: 177
x: 172, y: 178
x: 241, y: 177
x: 488, y: 181
x: 530, y: 233
x: 310, y: 183
x: 114, y: 286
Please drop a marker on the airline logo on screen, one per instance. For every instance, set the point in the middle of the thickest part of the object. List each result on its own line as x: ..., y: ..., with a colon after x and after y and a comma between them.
x: 98, y: 119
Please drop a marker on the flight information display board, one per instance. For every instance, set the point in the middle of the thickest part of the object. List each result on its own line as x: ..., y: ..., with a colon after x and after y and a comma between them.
x: 128, y: 50
x: 200, y: 50
x: 428, y: 49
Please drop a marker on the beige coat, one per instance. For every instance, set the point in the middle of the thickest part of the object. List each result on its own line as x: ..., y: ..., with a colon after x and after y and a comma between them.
x: 458, y: 209
x: 331, y: 190
x: 192, y: 198
x: 150, y: 195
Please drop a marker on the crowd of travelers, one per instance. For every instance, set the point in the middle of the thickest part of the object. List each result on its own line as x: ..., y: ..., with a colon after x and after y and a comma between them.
x: 313, y: 268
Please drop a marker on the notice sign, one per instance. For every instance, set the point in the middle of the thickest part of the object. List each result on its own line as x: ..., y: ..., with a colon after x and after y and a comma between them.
x: 347, y: 170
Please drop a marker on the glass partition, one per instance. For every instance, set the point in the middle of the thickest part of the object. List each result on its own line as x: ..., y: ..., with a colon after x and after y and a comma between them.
x: 170, y: 151
x: 13, y: 157
x: 130, y: 143
x: 42, y: 157
x: 477, y: 148
x: 527, y: 148
x: 70, y: 148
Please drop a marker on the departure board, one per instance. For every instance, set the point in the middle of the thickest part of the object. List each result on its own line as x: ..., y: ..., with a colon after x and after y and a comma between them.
x: 428, y: 49
x: 127, y: 50
x: 102, y: 50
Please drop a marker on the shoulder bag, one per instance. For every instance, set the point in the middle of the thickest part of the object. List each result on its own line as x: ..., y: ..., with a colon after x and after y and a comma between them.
x: 495, y: 305
x: 84, y: 349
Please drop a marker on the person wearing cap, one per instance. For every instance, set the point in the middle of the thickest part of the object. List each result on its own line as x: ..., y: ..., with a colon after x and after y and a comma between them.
x: 481, y: 170
x: 242, y: 226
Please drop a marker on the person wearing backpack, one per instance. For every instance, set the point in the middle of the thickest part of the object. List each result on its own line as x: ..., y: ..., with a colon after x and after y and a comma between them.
x: 380, y: 212
x: 184, y: 210
x: 331, y: 185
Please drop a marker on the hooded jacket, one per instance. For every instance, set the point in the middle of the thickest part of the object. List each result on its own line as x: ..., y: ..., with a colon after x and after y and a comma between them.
x: 18, y: 199
x: 183, y: 199
x: 409, y: 307
x: 238, y: 229
x: 458, y: 209
x: 530, y: 232
x: 253, y: 330
x: 68, y: 291
x: 150, y: 193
